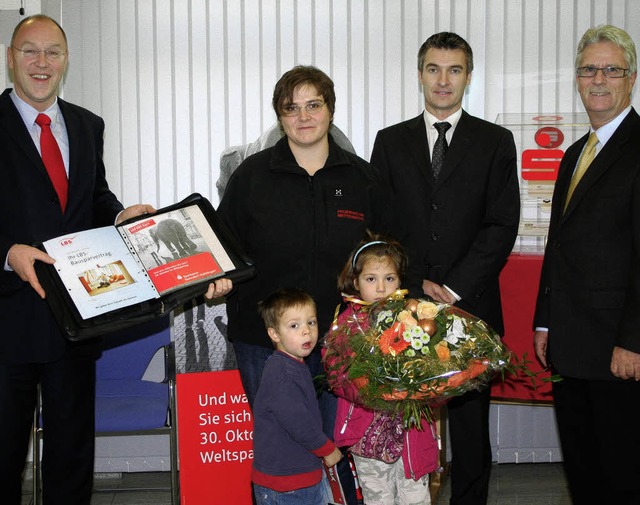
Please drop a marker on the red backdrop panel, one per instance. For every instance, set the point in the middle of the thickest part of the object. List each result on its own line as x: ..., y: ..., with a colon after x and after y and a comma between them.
x: 519, y: 287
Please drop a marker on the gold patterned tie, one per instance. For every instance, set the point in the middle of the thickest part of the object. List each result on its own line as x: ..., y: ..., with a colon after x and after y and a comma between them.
x: 585, y: 160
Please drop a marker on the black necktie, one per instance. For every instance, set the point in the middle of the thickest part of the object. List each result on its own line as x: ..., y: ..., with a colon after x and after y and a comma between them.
x: 439, y: 148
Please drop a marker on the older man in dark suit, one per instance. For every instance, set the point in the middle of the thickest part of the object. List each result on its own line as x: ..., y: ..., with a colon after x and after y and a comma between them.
x: 456, y: 210
x: 38, y: 201
x: 588, y: 312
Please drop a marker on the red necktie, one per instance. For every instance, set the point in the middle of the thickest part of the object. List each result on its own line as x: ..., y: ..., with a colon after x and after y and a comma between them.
x: 52, y: 159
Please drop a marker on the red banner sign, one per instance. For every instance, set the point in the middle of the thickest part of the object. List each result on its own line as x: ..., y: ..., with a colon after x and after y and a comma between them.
x: 215, y: 434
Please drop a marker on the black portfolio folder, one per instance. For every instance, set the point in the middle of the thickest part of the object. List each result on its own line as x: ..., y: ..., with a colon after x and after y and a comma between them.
x: 115, y: 277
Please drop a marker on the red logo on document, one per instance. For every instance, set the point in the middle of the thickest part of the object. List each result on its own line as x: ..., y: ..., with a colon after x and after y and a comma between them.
x: 67, y: 241
x: 142, y: 225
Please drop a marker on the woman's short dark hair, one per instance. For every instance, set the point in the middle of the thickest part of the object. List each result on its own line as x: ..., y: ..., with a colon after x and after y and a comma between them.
x: 303, y: 75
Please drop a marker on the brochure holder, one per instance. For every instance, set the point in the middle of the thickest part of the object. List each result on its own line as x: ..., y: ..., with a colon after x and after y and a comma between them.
x: 115, y: 277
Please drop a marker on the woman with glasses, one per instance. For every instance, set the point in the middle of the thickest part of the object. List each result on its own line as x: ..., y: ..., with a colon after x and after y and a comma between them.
x: 297, y: 208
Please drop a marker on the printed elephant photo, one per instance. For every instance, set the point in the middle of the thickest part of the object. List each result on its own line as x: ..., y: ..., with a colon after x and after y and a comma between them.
x: 173, y: 235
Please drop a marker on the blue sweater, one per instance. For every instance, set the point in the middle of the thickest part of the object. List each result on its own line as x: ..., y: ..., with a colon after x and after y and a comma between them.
x: 288, y: 440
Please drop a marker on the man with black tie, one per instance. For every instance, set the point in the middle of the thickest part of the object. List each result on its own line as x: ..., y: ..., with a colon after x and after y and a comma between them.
x: 588, y: 312
x: 456, y: 209
x: 53, y: 183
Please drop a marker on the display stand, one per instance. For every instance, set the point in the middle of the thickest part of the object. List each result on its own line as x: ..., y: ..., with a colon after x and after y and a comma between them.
x: 541, y: 140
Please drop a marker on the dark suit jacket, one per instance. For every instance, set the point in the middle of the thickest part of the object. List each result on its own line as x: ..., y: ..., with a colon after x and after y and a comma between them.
x: 30, y: 213
x: 589, y: 294
x: 460, y: 229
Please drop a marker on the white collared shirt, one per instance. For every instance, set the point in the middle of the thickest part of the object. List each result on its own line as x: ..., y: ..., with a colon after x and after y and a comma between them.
x: 432, y: 133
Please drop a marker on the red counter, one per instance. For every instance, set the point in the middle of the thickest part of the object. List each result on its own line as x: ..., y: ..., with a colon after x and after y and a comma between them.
x: 519, y: 287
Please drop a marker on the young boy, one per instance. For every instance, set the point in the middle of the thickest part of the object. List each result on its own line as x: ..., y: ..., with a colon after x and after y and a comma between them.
x: 288, y: 438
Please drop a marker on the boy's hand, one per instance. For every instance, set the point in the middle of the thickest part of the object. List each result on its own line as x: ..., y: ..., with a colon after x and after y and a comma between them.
x: 333, y: 458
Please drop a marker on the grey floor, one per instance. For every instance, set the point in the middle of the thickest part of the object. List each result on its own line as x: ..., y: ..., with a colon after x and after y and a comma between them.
x: 511, y: 484
x: 522, y: 484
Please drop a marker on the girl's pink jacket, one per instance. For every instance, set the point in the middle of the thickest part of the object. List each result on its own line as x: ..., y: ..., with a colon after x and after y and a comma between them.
x: 420, y: 451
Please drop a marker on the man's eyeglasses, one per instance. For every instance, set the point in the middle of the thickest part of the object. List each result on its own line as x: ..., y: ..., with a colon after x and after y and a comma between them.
x: 294, y: 110
x: 50, y: 54
x: 608, y: 72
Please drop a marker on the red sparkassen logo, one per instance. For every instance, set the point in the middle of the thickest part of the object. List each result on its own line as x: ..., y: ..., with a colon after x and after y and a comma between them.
x: 549, y: 137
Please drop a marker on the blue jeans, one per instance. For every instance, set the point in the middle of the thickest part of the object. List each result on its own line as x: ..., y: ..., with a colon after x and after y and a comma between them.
x: 314, y: 495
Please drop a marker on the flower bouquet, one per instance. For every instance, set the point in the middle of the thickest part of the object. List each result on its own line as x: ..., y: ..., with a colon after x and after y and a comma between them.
x: 405, y: 355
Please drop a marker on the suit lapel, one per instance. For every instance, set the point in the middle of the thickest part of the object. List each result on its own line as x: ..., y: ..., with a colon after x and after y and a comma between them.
x: 460, y: 144
x: 601, y: 163
x: 417, y: 145
x: 12, y: 125
x: 72, y: 124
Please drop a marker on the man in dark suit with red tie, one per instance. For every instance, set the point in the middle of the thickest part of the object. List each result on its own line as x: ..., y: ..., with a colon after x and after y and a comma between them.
x: 588, y: 311
x: 456, y: 209
x: 53, y: 183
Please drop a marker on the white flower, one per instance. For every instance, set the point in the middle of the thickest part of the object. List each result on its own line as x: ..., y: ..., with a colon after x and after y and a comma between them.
x: 417, y: 332
x: 383, y: 314
x: 455, y: 332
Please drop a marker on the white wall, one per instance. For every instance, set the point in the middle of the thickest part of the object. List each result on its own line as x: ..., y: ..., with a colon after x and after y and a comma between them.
x: 178, y: 81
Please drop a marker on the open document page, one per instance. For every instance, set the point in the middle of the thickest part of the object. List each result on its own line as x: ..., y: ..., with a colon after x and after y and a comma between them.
x: 99, y: 272
x: 110, y: 268
x: 177, y: 248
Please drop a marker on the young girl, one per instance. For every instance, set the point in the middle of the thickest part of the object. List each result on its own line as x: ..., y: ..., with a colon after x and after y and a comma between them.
x: 392, y: 463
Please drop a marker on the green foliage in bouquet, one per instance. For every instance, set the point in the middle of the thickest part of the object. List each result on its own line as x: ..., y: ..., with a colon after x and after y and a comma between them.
x: 411, y: 354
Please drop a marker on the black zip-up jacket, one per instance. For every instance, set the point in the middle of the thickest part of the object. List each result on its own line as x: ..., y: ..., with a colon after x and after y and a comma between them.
x: 298, y: 229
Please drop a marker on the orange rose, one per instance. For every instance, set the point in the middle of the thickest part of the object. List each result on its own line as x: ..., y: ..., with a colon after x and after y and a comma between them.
x: 427, y: 310
x: 442, y: 350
